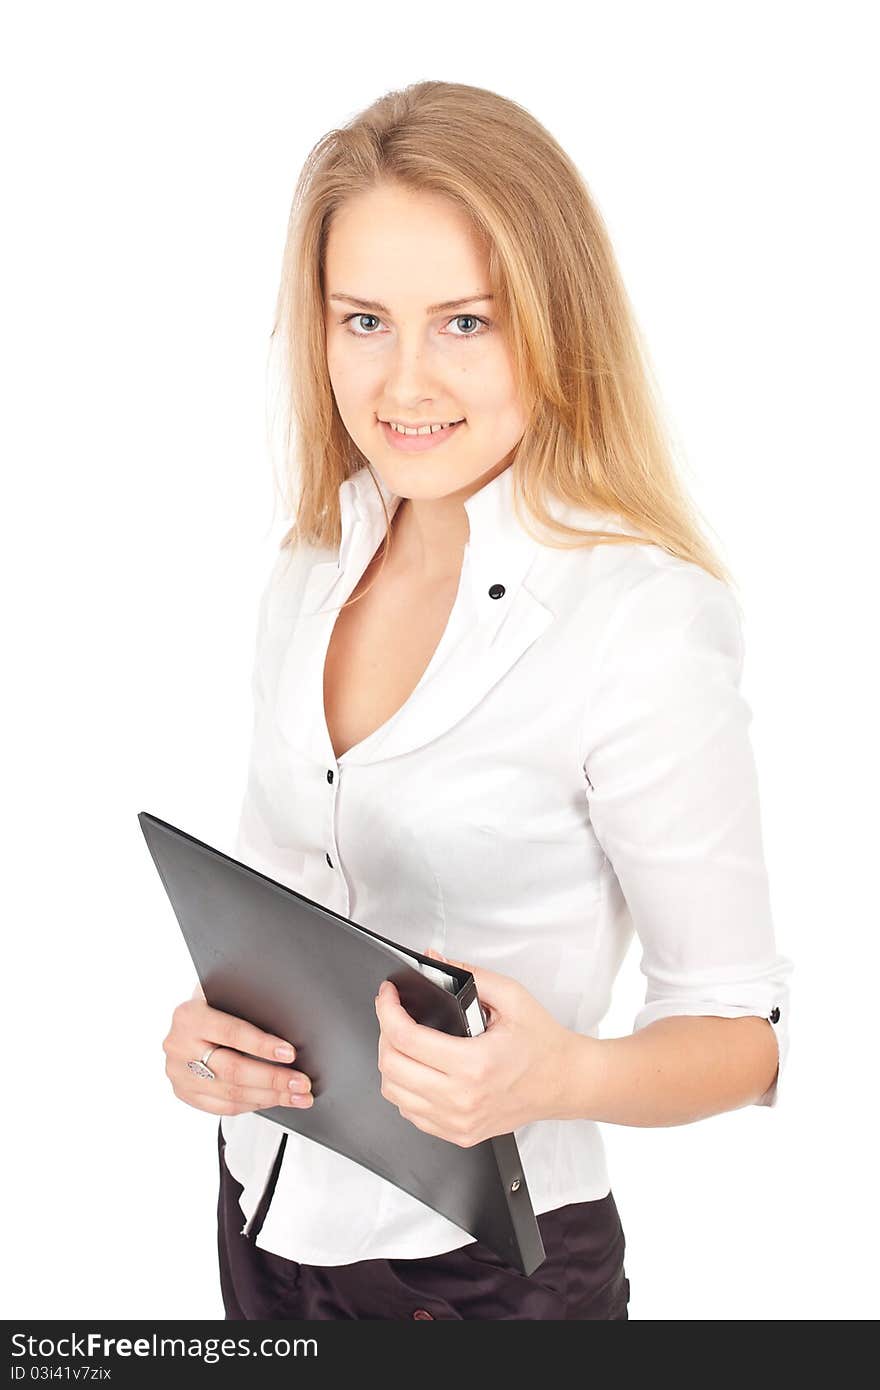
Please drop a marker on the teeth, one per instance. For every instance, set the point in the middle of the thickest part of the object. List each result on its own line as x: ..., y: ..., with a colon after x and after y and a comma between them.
x: 426, y: 429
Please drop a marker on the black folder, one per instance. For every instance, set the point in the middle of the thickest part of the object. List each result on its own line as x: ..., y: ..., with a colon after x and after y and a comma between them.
x: 266, y: 953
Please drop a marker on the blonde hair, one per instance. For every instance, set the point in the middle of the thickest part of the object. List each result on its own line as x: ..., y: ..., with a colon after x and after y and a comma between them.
x: 595, y: 435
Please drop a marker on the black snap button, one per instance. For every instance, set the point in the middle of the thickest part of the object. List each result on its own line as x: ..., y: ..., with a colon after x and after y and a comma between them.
x: 423, y: 1313
x: 329, y: 860
x: 496, y: 591
x: 329, y: 774
x: 774, y: 1017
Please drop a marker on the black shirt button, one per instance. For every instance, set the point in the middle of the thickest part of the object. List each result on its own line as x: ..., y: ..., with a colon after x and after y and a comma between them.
x: 496, y: 591
x: 329, y: 774
x: 774, y: 1017
x: 423, y: 1313
x: 329, y: 860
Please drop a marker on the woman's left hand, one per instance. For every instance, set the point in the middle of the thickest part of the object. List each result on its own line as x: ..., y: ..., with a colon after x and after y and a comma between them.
x: 466, y: 1090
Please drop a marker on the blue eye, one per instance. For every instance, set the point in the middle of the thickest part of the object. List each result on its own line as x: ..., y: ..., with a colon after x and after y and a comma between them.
x: 463, y: 336
x: 474, y: 319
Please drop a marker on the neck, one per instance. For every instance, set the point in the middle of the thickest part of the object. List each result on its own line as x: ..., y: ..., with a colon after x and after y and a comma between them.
x: 428, y: 537
x: 429, y: 534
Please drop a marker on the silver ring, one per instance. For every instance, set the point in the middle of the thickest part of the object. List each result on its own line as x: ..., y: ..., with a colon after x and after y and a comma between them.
x: 201, y: 1067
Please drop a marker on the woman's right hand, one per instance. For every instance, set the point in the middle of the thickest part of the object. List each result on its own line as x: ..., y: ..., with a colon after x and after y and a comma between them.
x: 241, y: 1082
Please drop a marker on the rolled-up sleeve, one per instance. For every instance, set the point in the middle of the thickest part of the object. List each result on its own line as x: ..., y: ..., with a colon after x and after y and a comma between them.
x: 673, y: 799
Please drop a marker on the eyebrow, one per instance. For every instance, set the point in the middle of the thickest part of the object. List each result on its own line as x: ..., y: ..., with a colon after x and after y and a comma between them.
x: 373, y: 305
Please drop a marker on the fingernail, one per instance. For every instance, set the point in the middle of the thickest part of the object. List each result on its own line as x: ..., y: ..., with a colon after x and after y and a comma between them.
x: 286, y: 1053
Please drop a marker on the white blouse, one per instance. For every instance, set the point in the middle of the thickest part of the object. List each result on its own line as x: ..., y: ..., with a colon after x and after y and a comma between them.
x: 573, y: 766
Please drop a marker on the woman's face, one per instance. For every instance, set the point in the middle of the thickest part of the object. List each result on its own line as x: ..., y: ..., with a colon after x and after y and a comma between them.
x: 410, y: 361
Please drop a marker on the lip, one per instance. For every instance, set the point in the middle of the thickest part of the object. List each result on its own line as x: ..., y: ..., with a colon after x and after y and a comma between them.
x: 417, y: 443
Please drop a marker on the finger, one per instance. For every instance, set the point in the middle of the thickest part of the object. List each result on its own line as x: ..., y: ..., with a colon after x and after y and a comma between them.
x: 417, y: 1040
x: 450, y: 960
x: 216, y: 1104
x: 229, y: 1031
x: 236, y: 1069
x: 410, y: 1101
x: 421, y: 1085
x: 250, y: 1097
x: 256, y: 1098
x: 416, y: 1116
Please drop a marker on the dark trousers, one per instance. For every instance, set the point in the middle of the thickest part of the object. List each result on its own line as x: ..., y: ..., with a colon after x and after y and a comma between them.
x: 582, y: 1276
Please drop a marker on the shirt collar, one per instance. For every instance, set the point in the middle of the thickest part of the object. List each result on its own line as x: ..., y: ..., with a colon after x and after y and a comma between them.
x: 494, y: 620
x: 499, y: 548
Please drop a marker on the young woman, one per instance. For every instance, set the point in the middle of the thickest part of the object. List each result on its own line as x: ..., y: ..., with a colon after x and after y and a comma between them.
x: 497, y: 717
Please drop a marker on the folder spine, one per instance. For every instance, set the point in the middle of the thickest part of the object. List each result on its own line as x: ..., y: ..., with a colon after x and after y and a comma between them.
x: 526, y: 1250
x: 471, y: 1009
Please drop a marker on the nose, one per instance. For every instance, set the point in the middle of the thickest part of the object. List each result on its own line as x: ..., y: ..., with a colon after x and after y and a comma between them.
x: 411, y: 378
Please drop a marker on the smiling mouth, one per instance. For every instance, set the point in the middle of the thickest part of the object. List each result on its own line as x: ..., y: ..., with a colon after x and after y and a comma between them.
x: 415, y: 430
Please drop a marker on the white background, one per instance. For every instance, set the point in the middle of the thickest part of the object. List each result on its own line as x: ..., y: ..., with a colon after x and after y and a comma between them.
x: 151, y: 154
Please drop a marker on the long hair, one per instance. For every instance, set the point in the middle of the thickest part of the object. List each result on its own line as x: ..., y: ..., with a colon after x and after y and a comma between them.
x: 596, y: 435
